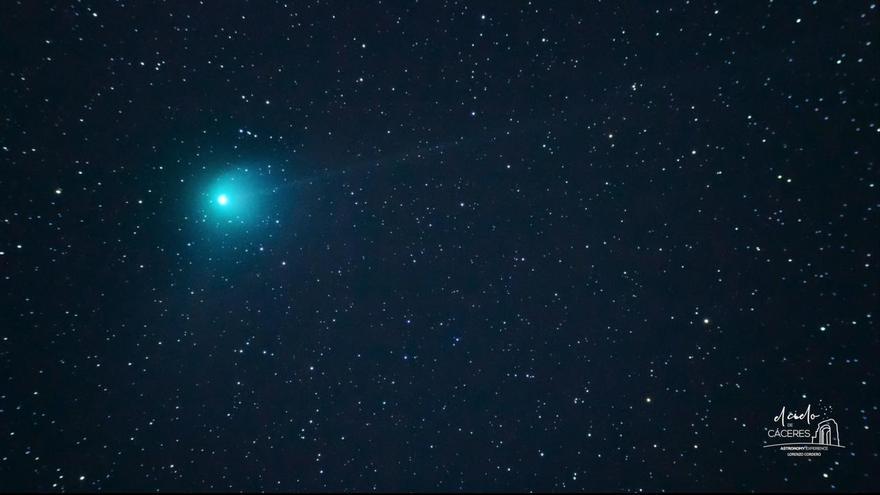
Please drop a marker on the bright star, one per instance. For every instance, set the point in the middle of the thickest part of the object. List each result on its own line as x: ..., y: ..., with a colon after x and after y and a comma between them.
x: 222, y: 199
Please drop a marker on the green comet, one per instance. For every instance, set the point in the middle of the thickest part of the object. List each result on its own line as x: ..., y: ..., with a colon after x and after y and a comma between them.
x: 235, y: 197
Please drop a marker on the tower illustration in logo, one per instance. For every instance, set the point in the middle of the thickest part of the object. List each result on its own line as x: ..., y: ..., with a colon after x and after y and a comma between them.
x: 826, y: 433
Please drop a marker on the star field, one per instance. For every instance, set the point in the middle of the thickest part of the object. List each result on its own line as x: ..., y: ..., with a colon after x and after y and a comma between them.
x: 437, y: 245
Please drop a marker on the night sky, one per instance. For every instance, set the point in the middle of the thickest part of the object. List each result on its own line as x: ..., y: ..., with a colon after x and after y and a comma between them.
x: 431, y: 245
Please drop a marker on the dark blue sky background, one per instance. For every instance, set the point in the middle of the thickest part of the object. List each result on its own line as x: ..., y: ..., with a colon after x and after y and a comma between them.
x: 488, y: 246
